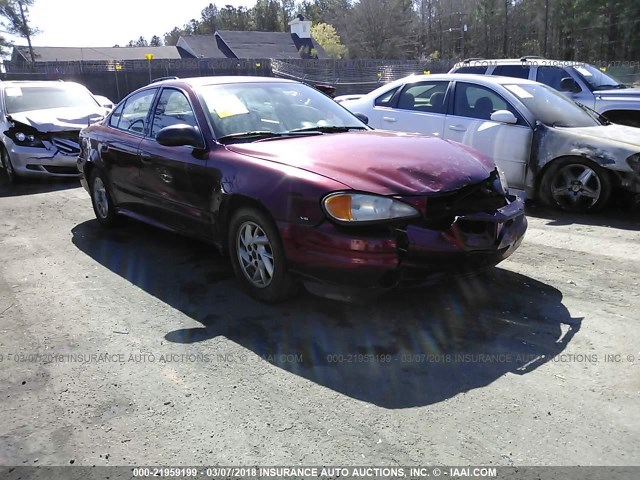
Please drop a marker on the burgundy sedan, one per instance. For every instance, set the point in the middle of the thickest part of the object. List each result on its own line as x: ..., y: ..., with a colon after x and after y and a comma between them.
x: 295, y: 189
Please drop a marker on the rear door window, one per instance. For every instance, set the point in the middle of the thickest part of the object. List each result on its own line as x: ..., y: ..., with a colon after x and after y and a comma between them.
x: 424, y: 97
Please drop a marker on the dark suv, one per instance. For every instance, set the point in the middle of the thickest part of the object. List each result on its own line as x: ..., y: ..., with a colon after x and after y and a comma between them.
x: 581, y: 82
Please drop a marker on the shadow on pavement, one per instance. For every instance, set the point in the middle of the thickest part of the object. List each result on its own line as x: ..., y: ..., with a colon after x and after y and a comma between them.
x: 615, y: 215
x: 31, y: 186
x: 403, y: 350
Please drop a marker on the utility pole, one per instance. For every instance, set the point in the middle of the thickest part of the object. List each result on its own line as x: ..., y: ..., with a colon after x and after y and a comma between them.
x: 26, y: 32
x: 546, y: 26
x: 463, y: 28
x: 506, y: 28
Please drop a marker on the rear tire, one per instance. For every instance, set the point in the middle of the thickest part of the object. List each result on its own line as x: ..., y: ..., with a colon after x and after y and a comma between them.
x: 101, y: 199
x: 9, y: 171
x: 575, y: 185
x: 258, y: 257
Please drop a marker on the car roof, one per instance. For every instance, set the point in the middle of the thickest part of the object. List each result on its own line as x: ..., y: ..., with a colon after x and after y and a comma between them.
x: 474, y: 78
x: 35, y: 83
x: 527, y: 59
x: 219, y: 80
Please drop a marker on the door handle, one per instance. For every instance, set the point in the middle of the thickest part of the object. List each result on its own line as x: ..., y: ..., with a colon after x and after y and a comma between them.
x: 458, y: 128
x: 104, y: 147
x: 145, y: 157
x: 389, y: 119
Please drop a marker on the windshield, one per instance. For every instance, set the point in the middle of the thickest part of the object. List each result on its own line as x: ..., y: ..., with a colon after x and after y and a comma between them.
x: 278, y: 108
x: 596, y: 79
x: 27, y: 98
x: 551, y: 107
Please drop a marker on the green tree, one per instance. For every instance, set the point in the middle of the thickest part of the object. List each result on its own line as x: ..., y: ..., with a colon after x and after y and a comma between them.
x: 171, y: 38
x: 141, y: 42
x: 266, y: 16
x: 15, y: 14
x: 383, y: 29
x: 287, y: 8
x: 328, y: 38
x: 209, y: 22
x: 232, y: 18
x: 155, y: 41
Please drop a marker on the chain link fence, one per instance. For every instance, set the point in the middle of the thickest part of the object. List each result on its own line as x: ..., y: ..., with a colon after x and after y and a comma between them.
x: 115, y: 79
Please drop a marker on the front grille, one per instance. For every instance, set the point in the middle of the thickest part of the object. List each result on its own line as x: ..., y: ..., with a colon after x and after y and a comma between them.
x: 67, y: 146
x: 61, y: 170
x: 442, y: 210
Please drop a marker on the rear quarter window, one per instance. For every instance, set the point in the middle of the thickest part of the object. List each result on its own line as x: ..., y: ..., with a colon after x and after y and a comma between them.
x: 386, y: 98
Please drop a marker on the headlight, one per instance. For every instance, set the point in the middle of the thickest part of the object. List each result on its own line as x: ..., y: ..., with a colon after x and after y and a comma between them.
x: 503, y: 180
x: 27, y: 140
x: 634, y: 163
x: 348, y: 207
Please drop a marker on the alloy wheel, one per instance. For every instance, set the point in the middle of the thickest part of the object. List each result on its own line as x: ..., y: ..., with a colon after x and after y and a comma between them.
x: 100, y: 197
x: 255, y: 254
x: 576, y: 186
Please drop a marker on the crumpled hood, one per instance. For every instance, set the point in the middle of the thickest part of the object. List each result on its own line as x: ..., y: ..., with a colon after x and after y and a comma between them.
x: 60, y: 119
x: 613, y: 133
x: 380, y: 162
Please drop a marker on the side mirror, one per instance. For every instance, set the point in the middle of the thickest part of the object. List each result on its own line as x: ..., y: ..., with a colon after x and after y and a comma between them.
x: 568, y: 84
x: 180, y: 135
x: 362, y: 117
x: 504, y: 116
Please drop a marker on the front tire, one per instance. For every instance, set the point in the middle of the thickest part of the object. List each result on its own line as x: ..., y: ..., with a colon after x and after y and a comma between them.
x: 9, y: 171
x: 258, y: 257
x: 101, y: 199
x: 575, y: 185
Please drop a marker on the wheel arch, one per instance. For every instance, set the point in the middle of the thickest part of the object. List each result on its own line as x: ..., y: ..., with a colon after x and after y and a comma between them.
x: 554, y: 161
x: 224, y: 212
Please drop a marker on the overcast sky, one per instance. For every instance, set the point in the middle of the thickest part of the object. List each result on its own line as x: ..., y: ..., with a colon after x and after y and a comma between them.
x: 104, y: 23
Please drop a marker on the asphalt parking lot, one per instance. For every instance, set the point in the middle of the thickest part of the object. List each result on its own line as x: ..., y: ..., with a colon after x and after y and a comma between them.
x: 136, y: 346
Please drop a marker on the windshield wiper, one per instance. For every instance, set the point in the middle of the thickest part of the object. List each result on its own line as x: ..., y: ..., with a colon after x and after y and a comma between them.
x: 327, y: 129
x: 598, y: 116
x: 258, y: 135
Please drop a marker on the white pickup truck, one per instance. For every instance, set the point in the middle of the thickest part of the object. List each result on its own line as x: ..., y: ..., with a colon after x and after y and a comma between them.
x: 581, y: 82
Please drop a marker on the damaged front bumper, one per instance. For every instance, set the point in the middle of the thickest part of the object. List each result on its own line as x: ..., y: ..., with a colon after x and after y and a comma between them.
x: 409, y: 256
x: 58, y: 158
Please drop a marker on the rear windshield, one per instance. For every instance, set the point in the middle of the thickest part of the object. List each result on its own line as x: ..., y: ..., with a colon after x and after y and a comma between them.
x: 27, y: 98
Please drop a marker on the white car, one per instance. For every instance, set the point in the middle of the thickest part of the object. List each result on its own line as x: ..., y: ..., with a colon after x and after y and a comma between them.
x: 579, y: 81
x: 40, y: 122
x: 344, y: 98
x: 105, y: 102
x: 547, y: 146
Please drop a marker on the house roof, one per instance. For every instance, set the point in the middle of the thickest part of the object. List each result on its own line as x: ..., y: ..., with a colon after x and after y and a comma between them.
x: 281, y: 45
x: 200, y: 46
x: 74, y: 54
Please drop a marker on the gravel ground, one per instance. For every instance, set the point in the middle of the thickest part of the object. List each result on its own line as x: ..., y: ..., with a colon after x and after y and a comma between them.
x: 136, y: 346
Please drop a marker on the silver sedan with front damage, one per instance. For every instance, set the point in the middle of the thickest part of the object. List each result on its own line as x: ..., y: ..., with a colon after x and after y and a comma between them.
x: 547, y: 146
x: 40, y: 122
